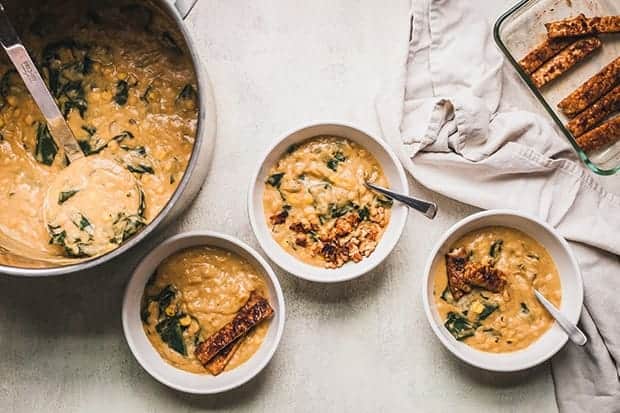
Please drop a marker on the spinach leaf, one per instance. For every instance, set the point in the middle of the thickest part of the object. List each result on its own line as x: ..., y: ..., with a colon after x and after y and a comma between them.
x: 92, y: 144
x: 122, y: 92
x: 147, y: 92
x: 169, y: 42
x: 170, y: 332
x: 57, y: 235
x: 337, y: 157
x: 292, y: 148
x: 337, y: 211
x: 125, y: 226
x: 83, y: 223
x: 275, y: 180
x: 45, y: 149
x: 122, y: 136
x: 188, y: 93
x: 524, y: 308
x: 446, y: 295
x: 385, y: 202
x: 65, y: 195
x: 141, y: 169
x: 459, y: 326
x: 489, y: 308
x: 164, y: 299
x: 496, y: 248
x: 364, y: 213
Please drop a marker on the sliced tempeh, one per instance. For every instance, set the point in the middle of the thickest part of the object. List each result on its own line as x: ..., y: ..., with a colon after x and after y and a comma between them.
x: 221, y: 359
x: 592, y: 116
x: 463, y: 274
x: 574, y: 26
x: 255, y: 310
x: 604, y: 135
x: 581, y: 26
x: 456, y: 260
x: 592, y: 89
x: 604, y: 24
x: 542, y: 53
x: 564, y: 60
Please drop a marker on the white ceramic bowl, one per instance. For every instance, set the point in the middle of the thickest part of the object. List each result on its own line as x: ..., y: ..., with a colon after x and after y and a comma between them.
x: 393, y: 171
x: 150, y: 359
x: 570, y: 276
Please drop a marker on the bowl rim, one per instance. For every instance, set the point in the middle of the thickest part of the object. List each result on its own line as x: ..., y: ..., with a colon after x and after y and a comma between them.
x: 269, y: 275
x: 449, y: 343
x: 297, y: 267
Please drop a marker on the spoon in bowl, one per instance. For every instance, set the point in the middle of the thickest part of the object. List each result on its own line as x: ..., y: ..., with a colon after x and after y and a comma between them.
x: 94, y: 203
x: 428, y: 209
x: 574, y: 333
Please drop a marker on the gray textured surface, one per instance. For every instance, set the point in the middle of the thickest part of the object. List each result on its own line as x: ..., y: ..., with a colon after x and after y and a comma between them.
x: 358, y: 346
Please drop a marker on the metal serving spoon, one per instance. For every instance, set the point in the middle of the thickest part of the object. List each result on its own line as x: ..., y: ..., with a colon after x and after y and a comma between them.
x: 27, y: 70
x: 92, y: 177
x: 428, y: 209
x: 574, y: 333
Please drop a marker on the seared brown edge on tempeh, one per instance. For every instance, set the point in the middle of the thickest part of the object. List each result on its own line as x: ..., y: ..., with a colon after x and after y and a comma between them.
x: 565, y: 60
x: 592, y: 89
x: 542, y: 53
x: 581, y: 25
x: 604, y: 135
x: 593, y: 115
x: 218, y: 363
x: 463, y: 275
x: 255, y: 310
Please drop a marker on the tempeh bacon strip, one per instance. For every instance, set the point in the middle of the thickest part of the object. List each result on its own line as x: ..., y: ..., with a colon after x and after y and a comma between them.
x: 255, y: 310
x: 542, y: 53
x: 592, y: 89
x: 218, y: 363
x: 565, y: 60
x: 581, y: 25
x: 604, y: 135
x: 592, y: 116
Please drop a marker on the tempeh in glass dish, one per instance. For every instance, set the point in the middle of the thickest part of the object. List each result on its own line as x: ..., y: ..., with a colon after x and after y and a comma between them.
x: 522, y: 28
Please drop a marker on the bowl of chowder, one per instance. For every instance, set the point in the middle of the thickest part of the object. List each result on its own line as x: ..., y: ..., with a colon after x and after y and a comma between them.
x: 311, y: 211
x: 203, y: 313
x: 478, y: 291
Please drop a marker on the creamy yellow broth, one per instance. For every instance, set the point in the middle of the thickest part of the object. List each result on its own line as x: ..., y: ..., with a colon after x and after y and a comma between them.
x: 128, y: 91
x: 513, y: 318
x: 208, y: 286
x: 318, y: 207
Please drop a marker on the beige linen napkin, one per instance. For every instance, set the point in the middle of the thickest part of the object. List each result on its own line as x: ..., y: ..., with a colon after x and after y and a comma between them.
x: 463, y: 129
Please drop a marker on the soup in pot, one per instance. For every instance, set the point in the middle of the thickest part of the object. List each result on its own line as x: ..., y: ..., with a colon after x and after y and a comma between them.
x: 126, y: 86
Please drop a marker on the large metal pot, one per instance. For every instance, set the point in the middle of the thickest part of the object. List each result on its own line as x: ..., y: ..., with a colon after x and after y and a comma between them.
x: 196, y: 171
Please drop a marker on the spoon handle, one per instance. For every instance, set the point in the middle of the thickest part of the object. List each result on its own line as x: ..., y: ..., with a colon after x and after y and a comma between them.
x: 574, y: 333
x: 428, y: 209
x: 36, y: 86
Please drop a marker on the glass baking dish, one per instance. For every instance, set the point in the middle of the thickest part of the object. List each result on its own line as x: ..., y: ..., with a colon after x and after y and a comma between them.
x: 522, y: 28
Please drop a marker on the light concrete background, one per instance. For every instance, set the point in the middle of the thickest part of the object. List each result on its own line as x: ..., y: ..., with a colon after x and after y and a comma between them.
x: 359, y: 346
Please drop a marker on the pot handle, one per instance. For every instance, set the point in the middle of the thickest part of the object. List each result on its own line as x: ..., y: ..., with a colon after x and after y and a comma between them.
x: 185, y: 7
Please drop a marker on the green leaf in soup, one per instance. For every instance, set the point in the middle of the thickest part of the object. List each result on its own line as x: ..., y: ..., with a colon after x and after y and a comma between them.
x: 45, y: 149
x: 524, y: 308
x: 385, y: 202
x: 65, y: 195
x: 489, y: 308
x: 57, y: 235
x: 275, y: 180
x: 164, y: 298
x: 188, y: 93
x: 459, y: 326
x: 496, y: 248
x: 122, y: 92
x: 170, y: 331
x: 364, y: 213
x: 337, y: 158
x: 337, y: 211
x: 83, y: 223
x: 446, y: 295
x: 122, y: 136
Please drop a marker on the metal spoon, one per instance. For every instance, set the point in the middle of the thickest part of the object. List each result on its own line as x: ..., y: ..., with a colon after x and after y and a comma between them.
x: 428, y: 209
x: 38, y: 89
x: 574, y: 333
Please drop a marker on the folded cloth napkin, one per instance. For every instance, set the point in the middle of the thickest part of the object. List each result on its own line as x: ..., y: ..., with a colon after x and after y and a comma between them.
x: 456, y: 124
